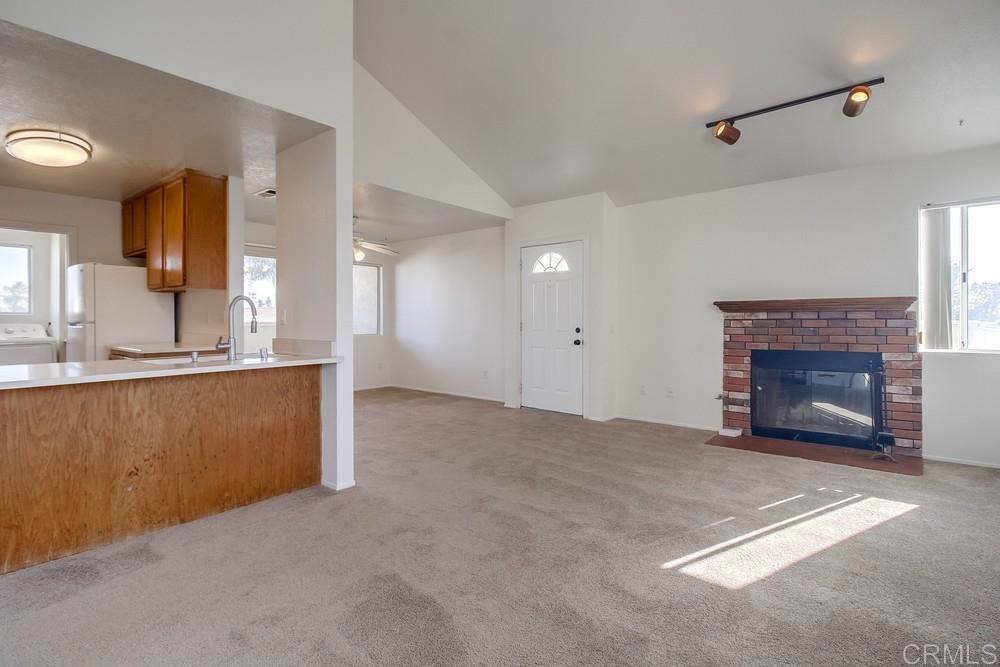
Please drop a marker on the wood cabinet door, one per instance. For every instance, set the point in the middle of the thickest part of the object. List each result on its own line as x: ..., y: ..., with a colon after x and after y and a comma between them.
x: 154, y: 239
x: 139, y: 225
x: 127, y: 242
x: 173, y: 234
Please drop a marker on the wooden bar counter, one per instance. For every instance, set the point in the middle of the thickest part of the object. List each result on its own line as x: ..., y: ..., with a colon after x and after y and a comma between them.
x: 90, y: 461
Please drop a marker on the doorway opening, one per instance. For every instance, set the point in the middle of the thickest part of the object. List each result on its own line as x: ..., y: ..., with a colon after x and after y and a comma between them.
x: 32, y: 288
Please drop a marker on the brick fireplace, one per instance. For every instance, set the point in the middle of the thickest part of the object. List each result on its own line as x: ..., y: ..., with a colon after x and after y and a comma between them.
x: 884, y: 325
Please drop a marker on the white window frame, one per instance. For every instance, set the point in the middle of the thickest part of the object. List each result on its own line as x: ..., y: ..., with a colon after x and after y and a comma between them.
x: 963, y: 302
x: 264, y: 252
x: 963, y: 316
x: 31, y: 281
x: 379, y: 298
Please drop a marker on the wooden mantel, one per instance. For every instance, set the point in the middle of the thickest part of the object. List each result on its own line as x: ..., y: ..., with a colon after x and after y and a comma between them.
x: 846, y: 303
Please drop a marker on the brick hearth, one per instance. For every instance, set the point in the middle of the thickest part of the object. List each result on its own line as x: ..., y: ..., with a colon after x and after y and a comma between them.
x: 886, y: 325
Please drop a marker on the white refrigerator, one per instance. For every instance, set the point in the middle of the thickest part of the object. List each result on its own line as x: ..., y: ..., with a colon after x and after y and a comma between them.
x: 109, y: 305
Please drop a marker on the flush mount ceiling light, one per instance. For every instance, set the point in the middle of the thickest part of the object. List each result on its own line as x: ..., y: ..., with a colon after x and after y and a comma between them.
x: 48, y: 148
x: 858, y: 95
x: 856, y: 100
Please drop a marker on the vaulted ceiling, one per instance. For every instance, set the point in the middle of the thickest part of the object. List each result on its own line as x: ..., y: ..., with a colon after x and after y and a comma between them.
x: 555, y: 98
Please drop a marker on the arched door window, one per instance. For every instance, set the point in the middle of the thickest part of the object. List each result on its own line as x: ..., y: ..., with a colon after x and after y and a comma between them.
x: 550, y: 262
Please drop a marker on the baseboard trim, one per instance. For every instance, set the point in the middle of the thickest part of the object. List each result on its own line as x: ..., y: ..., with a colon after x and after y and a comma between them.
x: 333, y: 485
x: 664, y: 422
x: 965, y: 462
x: 447, y: 393
x: 378, y: 386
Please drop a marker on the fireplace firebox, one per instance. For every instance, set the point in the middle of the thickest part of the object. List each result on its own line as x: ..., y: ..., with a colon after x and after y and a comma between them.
x: 817, y: 396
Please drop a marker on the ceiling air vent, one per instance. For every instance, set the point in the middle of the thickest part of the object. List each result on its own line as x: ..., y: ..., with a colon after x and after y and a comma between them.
x: 267, y: 193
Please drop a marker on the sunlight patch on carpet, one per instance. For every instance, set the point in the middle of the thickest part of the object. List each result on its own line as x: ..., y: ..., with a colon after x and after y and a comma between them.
x: 750, y: 558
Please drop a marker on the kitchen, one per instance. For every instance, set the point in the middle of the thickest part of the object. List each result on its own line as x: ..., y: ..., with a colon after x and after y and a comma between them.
x: 123, y: 199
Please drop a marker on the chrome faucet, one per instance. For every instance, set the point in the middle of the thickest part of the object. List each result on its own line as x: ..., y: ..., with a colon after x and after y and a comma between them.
x: 230, y: 345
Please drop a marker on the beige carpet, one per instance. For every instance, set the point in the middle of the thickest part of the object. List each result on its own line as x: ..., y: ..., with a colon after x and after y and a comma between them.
x: 479, y: 535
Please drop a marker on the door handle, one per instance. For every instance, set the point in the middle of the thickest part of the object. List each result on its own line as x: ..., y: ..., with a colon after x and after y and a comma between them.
x: 577, y: 342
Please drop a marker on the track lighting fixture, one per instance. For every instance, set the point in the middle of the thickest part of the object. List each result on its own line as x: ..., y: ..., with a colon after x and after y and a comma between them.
x: 858, y: 95
x: 727, y: 132
x: 856, y: 100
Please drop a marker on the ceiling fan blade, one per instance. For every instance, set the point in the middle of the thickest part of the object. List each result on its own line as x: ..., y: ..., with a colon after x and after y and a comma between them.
x: 379, y: 247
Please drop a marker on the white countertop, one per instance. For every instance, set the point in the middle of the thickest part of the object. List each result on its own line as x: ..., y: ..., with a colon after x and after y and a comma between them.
x: 18, y: 376
x: 162, y: 348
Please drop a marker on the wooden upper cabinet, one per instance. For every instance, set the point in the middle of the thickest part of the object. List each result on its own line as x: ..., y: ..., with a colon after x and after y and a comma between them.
x: 139, y: 226
x: 134, y: 228
x: 173, y: 234
x: 205, y: 231
x: 154, y: 239
x: 183, y: 233
x: 127, y: 242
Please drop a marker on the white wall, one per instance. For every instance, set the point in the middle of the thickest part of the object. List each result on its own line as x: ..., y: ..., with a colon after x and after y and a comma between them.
x: 395, y: 150
x: 960, y: 404
x: 92, y: 225
x: 845, y: 233
x: 307, y: 307
x: 259, y: 232
x: 448, y: 316
x: 299, y: 59
x: 592, y: 219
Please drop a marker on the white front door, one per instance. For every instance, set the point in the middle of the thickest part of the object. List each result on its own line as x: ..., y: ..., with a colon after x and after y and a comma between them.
x: 552, y: 327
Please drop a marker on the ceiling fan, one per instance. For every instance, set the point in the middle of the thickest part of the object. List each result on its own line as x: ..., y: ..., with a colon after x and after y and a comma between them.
x: 361, y: 244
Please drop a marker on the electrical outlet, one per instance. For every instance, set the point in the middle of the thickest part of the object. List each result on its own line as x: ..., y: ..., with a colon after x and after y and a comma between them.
x: 642, y: 390
x: 486, y: 375
x: 380, y: 365
x: 669, y: 392
x: 284, y: 316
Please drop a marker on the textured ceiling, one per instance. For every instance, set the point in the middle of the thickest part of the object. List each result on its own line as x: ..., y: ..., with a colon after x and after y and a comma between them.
x: 566, y: 97
x: 143, y: 123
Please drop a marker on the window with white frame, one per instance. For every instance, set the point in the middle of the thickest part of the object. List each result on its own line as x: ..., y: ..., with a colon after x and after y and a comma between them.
x: 260, y: 284
x: 15, y: 279
x: 367, y: 300
x: 960, y: 277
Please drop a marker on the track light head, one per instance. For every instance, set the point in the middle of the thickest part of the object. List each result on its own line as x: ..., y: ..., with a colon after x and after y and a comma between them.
x: 727, y: 132
x: 856, y: 100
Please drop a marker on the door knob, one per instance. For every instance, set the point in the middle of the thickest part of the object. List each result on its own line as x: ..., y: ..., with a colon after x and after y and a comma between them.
x: 577, y: 342
x: 578, y: 329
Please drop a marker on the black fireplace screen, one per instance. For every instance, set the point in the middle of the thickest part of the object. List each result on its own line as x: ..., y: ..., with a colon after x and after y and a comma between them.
x: 825, y: 397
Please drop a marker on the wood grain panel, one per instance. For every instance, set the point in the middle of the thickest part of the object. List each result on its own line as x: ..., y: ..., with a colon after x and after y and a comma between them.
x: 127, y: 242
x: 205, y: 227
x: 139, y: 226
x: 173, y: 234
x: 89, y: 464
x: 154, y: 239
x: 846, y: 303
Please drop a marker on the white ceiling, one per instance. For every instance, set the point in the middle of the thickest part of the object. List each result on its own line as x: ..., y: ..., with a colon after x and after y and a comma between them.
x: 387, y: 215
x: 565, y: 97
x: 393, y: 216
x: 143, y: 123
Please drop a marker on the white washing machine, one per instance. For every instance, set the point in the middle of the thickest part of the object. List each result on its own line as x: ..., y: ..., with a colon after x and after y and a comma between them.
x: 26, y: 344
